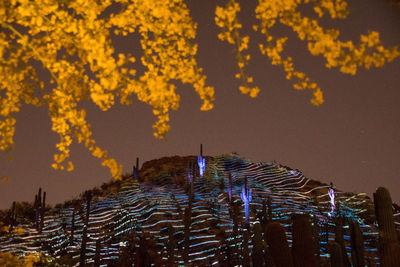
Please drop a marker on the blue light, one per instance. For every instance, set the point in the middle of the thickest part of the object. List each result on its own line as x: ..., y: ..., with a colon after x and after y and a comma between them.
x: 202, y: 164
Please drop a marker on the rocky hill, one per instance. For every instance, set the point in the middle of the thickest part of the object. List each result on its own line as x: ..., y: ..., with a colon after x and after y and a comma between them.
x: 168, y: 214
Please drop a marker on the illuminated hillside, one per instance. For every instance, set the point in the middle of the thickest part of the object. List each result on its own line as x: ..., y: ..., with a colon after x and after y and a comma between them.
x: 155, y: 210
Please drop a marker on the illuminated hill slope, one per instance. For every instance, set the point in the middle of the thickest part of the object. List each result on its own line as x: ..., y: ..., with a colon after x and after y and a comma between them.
x: 133, y: 210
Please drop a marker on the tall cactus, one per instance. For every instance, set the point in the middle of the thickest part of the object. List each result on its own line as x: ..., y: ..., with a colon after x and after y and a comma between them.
x: 335, y: 252
x: 12, y: 217
x: 258, y: 246
x: 88, y: 201
x: 357, y: 245
x: 246, y: 198
x: 38, y: 203
x: 82, y: 259
x: 202, y: 165
x: 187, y: 221
x: 190, y: 192
x: 136, y: 169
x: 71, y: 241
x: 230, y: 187
x: 276, y: 239
x: 42, y: 210
x: 234, y: 213
x: 331, y: 194
x: 389, y: 247
x: 303, y: 244
x: 171, y: 245
x: 317, y: 239
x: 269, y: 205
x: 339, y: 238
x: 97, y: 254
x: 222, y: 184
x: 245, y: 248
x: 88, y: 196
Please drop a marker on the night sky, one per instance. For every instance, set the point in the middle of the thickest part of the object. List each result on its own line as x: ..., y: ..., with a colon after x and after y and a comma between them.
x: 352, y: 140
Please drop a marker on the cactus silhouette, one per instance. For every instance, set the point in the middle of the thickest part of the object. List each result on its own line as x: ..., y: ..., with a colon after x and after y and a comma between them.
x: 278, y: 245
x: 339, y: 238
x: 38, y: 203
x: 317, y: 238
x: 187, y: 221
x: 269, y: 205
x: 97, y: 254
x: 246, y: 198
x: 258, y: 246
x: 82, y: 259
x: 230, y: 187
x: 357, y: 245
x: 331, y: 194
x: 303, y: 250
x: 12, y: 217
x: 88, y: 196
x: 42, y: 210
x: 202, y: 165
x: 245, y: 249
x: 389, y: 247
x: 171, y: 245
x: 71, y: 241
x: 335, y: 252
x: 136, y: 169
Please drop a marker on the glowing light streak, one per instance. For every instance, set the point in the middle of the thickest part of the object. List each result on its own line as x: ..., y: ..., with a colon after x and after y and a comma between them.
x: 201, y: 162
x: 332, y: 197
x: 246, y: 198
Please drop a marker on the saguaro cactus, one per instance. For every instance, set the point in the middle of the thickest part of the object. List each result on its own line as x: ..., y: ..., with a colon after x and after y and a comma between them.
x: 331, y: 194
x: 335, y: 252
x: 389, y: 247
x: 357, y: 245
x: 230, y: 187
x: 202, y: 165
x: 303, y: 245
x: 317, y: 238
x: 190, y: 195
x: 42, y: 210
x: 269, y: 205
x: 171, y: 245
x: 246, y: 198
x: 82, y: 260
x: 187, y: 221
x: 234, y: 212
x: 136, y: 169
x: 190, y: 172
x: 88, y: 201
x: 97, y: 254
x: 71, y: 241
x: 276, y: 239
x: 12, y: 217
x: 38, y: 204
x: 245, y: 250
x: 258, y: 246
x: 88, y: 195
x: 339, y: 238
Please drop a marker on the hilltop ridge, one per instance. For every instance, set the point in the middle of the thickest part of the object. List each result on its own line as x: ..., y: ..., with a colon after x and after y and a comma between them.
x: 121, y: 213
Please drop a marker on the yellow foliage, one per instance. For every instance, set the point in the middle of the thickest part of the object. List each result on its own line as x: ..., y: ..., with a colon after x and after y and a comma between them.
x: 226, y: 19
x: 345, y: 55
x: 30, y: 260
x: 72, y: 42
